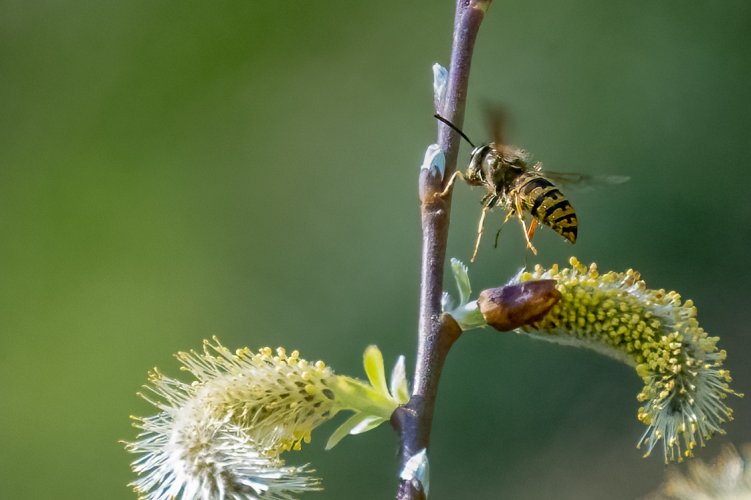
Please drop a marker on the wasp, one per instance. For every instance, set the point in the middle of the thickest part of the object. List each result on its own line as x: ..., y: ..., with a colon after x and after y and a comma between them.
x: 516, y: 183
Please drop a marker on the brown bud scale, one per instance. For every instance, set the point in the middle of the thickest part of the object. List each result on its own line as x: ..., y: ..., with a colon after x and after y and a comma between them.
x: 508, y: 307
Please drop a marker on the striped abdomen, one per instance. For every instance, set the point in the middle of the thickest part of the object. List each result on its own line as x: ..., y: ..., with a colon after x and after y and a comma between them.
x: 547, y: 204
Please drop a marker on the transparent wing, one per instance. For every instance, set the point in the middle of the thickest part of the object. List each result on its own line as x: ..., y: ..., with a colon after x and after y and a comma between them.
x: 583, y: 182
x: 496, y: 118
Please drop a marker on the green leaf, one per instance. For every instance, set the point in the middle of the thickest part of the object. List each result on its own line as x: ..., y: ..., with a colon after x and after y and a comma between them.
x: 343, y: 430
x: 398, y: 387
x: 368, y: 423
x: 374, y: 369
x: 360, y: 396
x: 462, y: 280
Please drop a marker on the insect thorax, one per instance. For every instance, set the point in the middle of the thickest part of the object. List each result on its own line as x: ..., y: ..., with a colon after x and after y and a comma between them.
x: 496, y: 166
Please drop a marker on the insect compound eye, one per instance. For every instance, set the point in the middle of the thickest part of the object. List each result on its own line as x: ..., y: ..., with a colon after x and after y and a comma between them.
x: 478, y: 156
x: 479, y: 152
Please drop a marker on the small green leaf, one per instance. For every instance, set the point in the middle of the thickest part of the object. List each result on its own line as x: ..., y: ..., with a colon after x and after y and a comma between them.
x: 360, y: 396
x: 469, y: 316
x: 368, y: 423
x: 343, y: 430
x: 398, y: 387
x: 462, y: 280
x: 374, y: 369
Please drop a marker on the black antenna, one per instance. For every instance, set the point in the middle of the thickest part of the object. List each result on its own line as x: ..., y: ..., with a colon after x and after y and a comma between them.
x: 456, y: 129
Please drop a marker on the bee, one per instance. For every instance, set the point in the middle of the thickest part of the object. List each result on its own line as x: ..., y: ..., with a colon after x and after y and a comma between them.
x: 516, y: 183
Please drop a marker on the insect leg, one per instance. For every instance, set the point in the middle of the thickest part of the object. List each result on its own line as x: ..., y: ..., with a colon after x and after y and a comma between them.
x: 532, y: 228
x: 450, y: 184
x: 497, y: 235
x: 520, y: 214
x: 508, y: 215
x: 480, y: 229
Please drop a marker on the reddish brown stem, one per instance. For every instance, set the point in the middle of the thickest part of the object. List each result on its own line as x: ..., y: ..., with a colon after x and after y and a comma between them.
x: 436, y: 333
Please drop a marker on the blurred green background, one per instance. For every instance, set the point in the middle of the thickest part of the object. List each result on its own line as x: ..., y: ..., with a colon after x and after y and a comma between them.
x: 175, y: 170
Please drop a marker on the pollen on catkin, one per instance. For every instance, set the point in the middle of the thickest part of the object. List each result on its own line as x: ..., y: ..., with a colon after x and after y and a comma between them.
x: 221, y: 435
x: 654, y: 331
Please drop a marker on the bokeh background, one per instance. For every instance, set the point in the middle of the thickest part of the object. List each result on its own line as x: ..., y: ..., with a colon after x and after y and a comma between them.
x: 175, y: 170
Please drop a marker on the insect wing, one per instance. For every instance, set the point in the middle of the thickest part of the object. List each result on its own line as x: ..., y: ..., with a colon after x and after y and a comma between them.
x: 496, y: 119
x: 583, y: 182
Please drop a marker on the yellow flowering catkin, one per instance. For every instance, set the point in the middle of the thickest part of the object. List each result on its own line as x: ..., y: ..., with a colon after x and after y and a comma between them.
x: 222, y: 434
x: 685, y: 386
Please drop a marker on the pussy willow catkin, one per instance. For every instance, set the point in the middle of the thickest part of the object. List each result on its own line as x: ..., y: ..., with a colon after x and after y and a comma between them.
x: 654, y: 331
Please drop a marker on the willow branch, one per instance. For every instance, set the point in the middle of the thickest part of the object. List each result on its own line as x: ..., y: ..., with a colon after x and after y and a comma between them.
x: 436, y: 332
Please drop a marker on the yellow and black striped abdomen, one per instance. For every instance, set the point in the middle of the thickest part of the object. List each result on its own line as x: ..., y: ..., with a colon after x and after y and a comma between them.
x: 546, y: 203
